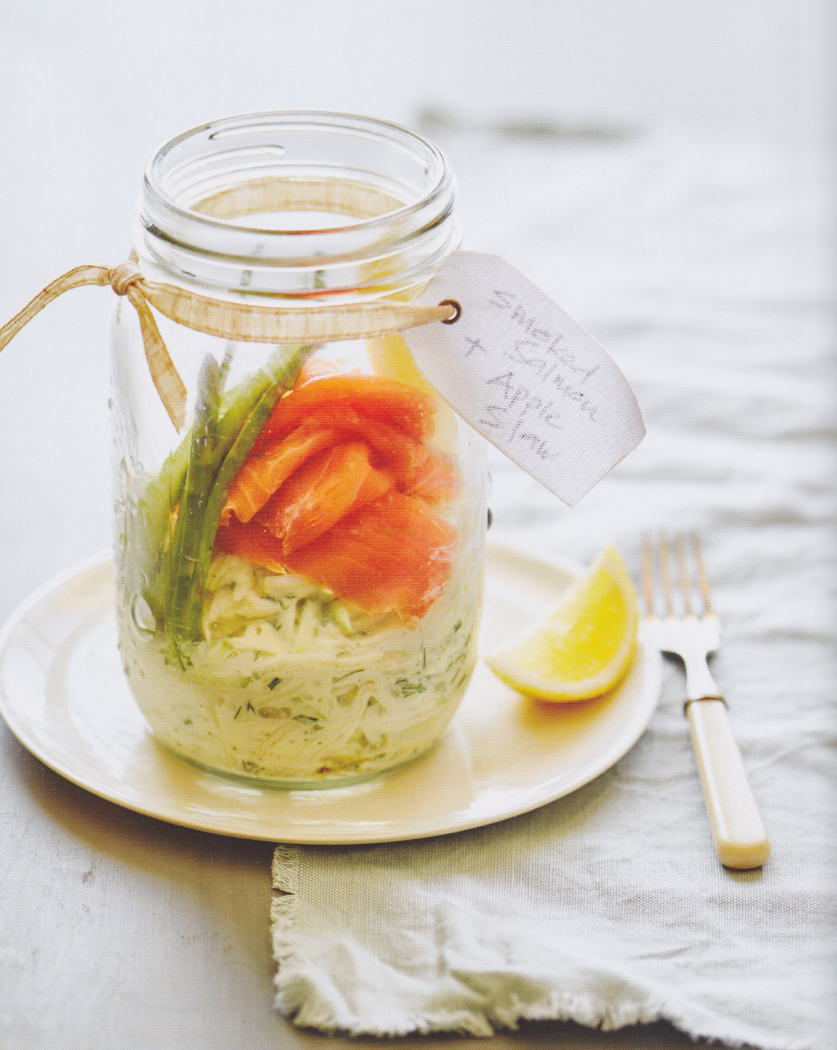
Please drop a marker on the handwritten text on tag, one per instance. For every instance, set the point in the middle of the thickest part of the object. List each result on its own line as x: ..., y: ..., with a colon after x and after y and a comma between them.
x: 526, y: 376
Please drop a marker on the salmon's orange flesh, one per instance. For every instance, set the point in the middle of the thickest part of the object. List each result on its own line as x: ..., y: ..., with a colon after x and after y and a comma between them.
x: 393, y: 554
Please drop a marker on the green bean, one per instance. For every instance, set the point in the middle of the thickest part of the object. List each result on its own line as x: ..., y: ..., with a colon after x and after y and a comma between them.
x: 162, y: 495
x: 200, y: 474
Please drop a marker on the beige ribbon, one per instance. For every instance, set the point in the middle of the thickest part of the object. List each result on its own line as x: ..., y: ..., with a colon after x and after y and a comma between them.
x: 242, y: 322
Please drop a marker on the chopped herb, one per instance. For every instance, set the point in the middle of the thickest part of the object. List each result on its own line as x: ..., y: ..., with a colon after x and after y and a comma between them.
x: 348, y: 674
x: 274, y: 682
x: 408, y: 687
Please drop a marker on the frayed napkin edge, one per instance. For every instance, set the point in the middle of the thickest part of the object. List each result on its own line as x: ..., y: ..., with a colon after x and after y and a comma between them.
x: 559, y: 1007
x: 284, y: 869
x: 292, y: 985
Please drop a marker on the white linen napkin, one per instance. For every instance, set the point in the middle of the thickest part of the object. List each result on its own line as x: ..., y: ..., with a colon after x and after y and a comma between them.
x: 609, y: 906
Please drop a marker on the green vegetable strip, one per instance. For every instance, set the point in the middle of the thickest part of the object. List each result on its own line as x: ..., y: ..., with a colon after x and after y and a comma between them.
x: 200, y: 475
x: 236, y: 433
x: 161, y: 496
x: 226, y: 363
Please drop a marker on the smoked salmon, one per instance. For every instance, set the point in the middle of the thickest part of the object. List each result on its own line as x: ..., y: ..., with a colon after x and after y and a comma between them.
x: 317, y: 495
x: 252, y: 542
x: 385, y: 400
x: 339, y: 487
x: 268, y: 466
x: 375, y: 484
x: 431, y: 480
x: 393, y: 554
x: 264, y: 471
x: 398, y: 451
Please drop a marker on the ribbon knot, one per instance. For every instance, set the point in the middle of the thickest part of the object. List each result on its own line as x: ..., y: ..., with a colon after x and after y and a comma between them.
x: 123, y: 277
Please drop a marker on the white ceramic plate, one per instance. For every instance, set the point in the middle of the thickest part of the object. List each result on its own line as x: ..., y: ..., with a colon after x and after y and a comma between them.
x: 64, y: 696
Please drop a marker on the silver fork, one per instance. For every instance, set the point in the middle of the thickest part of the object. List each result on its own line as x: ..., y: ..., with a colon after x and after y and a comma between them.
x: 737, y: 829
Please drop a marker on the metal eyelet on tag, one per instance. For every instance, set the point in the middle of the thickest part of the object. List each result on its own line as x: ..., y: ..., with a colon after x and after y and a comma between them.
x: 456, y: 306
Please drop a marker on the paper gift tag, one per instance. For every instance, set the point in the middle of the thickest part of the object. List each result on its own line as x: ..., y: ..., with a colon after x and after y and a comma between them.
x: 518, y: 369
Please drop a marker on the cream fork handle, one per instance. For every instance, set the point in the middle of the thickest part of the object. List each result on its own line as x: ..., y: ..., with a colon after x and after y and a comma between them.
x: 740, y: 838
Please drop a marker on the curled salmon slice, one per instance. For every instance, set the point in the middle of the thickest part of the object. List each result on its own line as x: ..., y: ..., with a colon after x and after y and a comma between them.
x: 396, y: 451
x: 385, y: 400
x: 252, y: 542
x: 266, y: 468
x: 317, y: 495
x: 431, y: 480
x: 393, y: 554
x: 375, y: 484
x: 272, y: 463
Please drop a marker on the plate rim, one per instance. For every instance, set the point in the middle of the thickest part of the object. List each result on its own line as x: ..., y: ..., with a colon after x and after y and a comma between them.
x: 169, y: 812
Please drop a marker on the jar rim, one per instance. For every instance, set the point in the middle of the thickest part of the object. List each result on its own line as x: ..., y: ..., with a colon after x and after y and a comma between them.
x: 322, y: 118
x: 400, y: 179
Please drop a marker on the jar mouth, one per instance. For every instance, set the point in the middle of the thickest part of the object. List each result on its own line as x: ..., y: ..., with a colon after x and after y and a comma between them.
x: 297, y: 202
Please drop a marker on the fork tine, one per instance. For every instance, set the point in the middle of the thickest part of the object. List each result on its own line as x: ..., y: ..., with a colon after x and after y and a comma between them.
x: 665, y: 572
x: 647, y: 576
x: 661, y: 561
x: 682, y: 565
x: 703, y: 578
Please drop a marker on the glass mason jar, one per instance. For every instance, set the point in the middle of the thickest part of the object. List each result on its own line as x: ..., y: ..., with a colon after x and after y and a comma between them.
x: 317, y: 625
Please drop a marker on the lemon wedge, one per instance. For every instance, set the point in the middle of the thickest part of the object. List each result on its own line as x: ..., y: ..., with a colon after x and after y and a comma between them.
x: 584, y: 645
x: 389, y: 356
